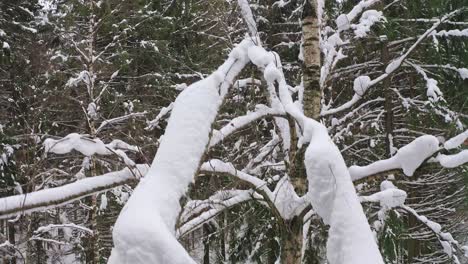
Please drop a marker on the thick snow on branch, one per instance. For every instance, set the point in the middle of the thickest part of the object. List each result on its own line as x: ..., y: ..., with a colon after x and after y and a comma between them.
x: 53, y: 197
x: 331, y: 190
x: 408, y: 158
x: 89, y: 146
x: 456, y: 141
x: 453, y: 161
x: 367, y: 20
x: 145, y: 230
x: 334, y: 198
x: 343, y: 21
x: 360, y: 7
x: 85, y: 145
x: 248, y: 17
x: 411, y: 156
x: 387, y: 197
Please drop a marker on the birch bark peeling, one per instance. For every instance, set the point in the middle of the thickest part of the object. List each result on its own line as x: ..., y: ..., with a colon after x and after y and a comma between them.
x: 311, y: 65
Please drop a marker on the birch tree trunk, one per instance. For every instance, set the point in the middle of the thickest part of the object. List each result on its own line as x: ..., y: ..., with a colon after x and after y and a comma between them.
x: 291, y: 241
x: 311, y: 65
x: 292, y: 236
x: 312, y: 91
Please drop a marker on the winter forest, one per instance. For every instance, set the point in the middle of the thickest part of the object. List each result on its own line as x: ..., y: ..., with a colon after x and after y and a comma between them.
x: 233, y: 131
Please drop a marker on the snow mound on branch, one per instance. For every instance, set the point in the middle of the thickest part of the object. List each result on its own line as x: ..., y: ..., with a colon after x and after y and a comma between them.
x: 92, y: 111
x: 392, y: 66
x: 386, y: 185
x: 272, y: 73
x: 85, y: 145
x: 286, y: 200
x: 453, y: 161
x: 361, y: 84
x: 433, y: 91
x: 408, y: 158
x: 463, y: 73
x: 342, y: 22
x: 367, y: 20
x: 411, y: 156
x: 260, y: 57
x: 389, y: 196
x: 334, y: 198
x: 120, y: 144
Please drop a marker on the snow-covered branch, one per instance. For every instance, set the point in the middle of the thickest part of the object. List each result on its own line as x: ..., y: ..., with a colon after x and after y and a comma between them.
x: 146, y: 226
x: 248, y: 18
x: 89, y: 146
x: 53, y: 197
x: 448, y: 243
x: 454, y: 160
x: 408, y: 158
x: 283, y: 200
x: 363, y: 83
x: 164, y: 112
x: 117, y: 120
x: 413, y: 155
x: 216, y: 208
x: 456, y: 141
x: 47, y: 228
x: 218, y: 166
x: 240, y: 122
